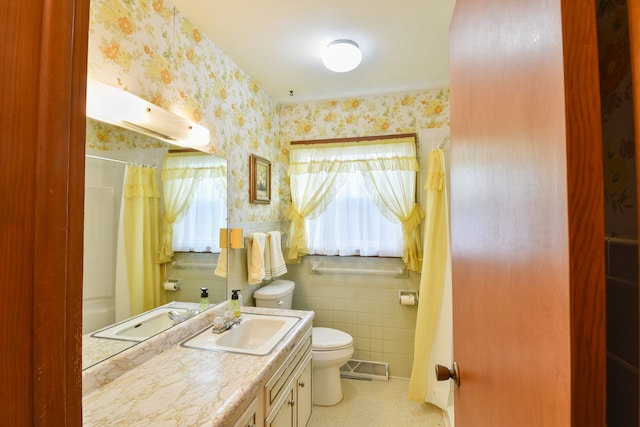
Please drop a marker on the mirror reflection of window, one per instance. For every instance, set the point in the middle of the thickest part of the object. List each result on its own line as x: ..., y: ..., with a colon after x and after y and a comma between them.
x: 199, y: 228
x: 195, y: 198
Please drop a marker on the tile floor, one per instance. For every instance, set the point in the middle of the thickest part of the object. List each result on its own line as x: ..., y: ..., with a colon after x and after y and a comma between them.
x: 376, y: 403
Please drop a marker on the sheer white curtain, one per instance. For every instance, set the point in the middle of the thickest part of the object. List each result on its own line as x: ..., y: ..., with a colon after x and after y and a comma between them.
x: 389, y: 169
x: 313, y: 185
x: 199, y: 228
x: 390, y: 177
x: 353, y: 225
x: 181, y: 175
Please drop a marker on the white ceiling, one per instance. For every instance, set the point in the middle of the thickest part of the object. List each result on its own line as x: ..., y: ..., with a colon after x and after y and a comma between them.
x: 405, y: 43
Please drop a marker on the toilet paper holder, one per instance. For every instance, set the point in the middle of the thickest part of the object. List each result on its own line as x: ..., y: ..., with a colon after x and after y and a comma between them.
x: 407, y: 292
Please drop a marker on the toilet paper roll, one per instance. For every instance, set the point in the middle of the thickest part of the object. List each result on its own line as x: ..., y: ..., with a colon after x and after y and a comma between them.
x: 407, y: 300
x: 171, y: 286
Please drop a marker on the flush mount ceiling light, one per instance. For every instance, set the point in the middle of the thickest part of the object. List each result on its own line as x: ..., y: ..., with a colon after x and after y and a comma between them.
x: 342, y: 56
x: 112, y: 105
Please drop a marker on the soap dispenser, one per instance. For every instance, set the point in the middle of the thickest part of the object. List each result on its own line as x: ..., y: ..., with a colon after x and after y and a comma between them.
x: 235, y: 302
x: 204, y: 299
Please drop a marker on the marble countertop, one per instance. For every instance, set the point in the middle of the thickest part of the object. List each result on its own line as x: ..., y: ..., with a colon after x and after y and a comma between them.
x: 95, y: 350
x: 169, y: 385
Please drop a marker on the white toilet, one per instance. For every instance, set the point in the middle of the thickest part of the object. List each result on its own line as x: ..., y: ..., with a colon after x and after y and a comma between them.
x: 330, y: 348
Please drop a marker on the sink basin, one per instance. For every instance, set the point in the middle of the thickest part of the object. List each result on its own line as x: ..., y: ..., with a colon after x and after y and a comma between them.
x: 258, y: 334
x: 141, y: 327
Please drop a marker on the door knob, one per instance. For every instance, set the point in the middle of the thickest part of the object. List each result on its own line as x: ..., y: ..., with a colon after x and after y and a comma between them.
x: 443, y: 373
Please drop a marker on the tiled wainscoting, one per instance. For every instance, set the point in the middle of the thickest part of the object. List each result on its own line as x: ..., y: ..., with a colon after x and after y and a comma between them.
x: 196, y: 270
x: 364, y: 305
x: 622, y: 332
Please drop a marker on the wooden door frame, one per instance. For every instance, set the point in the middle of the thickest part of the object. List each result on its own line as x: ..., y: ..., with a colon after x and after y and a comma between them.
x: 44, y: 72
x: 633, y: 12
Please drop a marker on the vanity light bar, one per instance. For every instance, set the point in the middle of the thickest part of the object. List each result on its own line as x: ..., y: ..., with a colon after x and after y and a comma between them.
x: 112, y: 105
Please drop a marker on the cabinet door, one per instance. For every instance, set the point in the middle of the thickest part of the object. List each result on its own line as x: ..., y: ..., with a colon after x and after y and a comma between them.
x: 303, y: 400
x: 252, y: 416
x: 283, y: 414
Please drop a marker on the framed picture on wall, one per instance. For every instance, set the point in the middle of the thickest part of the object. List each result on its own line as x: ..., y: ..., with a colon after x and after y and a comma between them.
x: 259, y: 179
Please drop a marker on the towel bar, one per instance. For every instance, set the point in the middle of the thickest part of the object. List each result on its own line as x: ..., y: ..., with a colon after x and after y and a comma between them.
x: 249, y: 237
x: 182, y: 266
x: 317, y: 269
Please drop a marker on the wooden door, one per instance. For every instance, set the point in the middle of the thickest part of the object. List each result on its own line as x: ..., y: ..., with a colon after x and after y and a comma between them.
x: 527, y: 218
x: 633, y: 9
x: 42, y: 126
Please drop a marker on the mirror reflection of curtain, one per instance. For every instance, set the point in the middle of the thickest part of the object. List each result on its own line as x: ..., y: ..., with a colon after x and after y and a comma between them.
x: 123, y: 296
x: 184, y: 175
x: 389, y: 169
x: 141, y: 235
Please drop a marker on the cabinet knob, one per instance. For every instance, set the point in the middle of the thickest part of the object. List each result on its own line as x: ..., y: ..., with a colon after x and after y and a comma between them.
x: 301, y: 384
x: 292, y: 402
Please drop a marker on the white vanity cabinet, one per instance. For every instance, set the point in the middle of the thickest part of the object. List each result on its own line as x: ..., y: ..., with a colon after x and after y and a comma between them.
x: 253, y: 415
x: 288, y: 392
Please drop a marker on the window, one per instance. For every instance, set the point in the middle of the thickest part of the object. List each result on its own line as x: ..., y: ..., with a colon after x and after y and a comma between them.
x: 199, y: 228
x: 194, y: 186
x: 355, y: 199
x: 353, y: 225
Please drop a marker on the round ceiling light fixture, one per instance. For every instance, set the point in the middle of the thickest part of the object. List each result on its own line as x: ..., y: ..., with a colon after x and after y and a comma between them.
x: 342, y: 56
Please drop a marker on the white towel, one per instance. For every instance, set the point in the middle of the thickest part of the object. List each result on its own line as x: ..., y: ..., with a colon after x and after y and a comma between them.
x: 277, y: 265
x: 255, y: 258
x: 267, y: 259
x: 221, y: 268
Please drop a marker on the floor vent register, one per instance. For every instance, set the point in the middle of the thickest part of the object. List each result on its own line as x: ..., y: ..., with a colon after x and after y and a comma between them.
x: 365, y: 370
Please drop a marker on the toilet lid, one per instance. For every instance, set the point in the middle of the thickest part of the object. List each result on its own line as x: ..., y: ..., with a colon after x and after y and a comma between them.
x: 329, y: 339
x: 276, y: 289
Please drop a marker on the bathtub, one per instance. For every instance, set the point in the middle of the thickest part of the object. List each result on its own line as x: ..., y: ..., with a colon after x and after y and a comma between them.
x: 97, y: 313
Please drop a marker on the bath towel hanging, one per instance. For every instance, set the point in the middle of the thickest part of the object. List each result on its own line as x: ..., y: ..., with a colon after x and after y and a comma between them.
x: 221, y: 267
x: 255, y: 258
x: 277, y: 265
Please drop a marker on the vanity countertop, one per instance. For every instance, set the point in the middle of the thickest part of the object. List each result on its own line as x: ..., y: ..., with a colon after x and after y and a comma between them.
x: 189, y: 387
x: 95, y: 350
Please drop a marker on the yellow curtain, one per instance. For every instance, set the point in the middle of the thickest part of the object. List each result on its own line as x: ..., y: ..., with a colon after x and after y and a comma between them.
x: 389, y: 167
x: 180, y: 175
x: 141, y: 234
x: 432, y: 278
x: 392, y: 185
x: 310, y: 194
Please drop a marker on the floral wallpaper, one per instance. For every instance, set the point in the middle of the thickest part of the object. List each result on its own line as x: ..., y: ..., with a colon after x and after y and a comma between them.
x: 617, y: 119
x: 149, y: 49
x: 354, y: 117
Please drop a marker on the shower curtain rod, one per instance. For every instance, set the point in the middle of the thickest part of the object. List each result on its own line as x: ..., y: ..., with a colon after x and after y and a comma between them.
x: 119, y: 161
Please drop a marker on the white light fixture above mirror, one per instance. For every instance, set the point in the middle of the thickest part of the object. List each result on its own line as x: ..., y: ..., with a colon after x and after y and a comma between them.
x: 112, y: 105
x: 342, y: 55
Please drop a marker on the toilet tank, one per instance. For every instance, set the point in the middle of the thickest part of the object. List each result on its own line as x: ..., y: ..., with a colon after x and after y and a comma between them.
x: 277, y: 294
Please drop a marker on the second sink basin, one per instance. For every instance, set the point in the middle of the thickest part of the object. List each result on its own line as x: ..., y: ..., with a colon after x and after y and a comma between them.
x: 143, y: 326
x: 258, y: 334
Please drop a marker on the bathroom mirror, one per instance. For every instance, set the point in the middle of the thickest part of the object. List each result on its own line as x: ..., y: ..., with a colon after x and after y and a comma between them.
x: 109, y: 151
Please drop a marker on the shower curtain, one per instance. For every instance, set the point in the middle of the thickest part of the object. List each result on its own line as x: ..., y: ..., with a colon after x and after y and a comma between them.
x: 141, y: 235
x: 435, y: 301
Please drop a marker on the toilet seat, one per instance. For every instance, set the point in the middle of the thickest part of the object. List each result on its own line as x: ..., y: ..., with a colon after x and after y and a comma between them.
x: 328, y: 339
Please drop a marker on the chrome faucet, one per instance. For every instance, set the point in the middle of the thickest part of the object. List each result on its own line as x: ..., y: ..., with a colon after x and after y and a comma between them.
x: 224, y: 323
x: 178, y: 317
